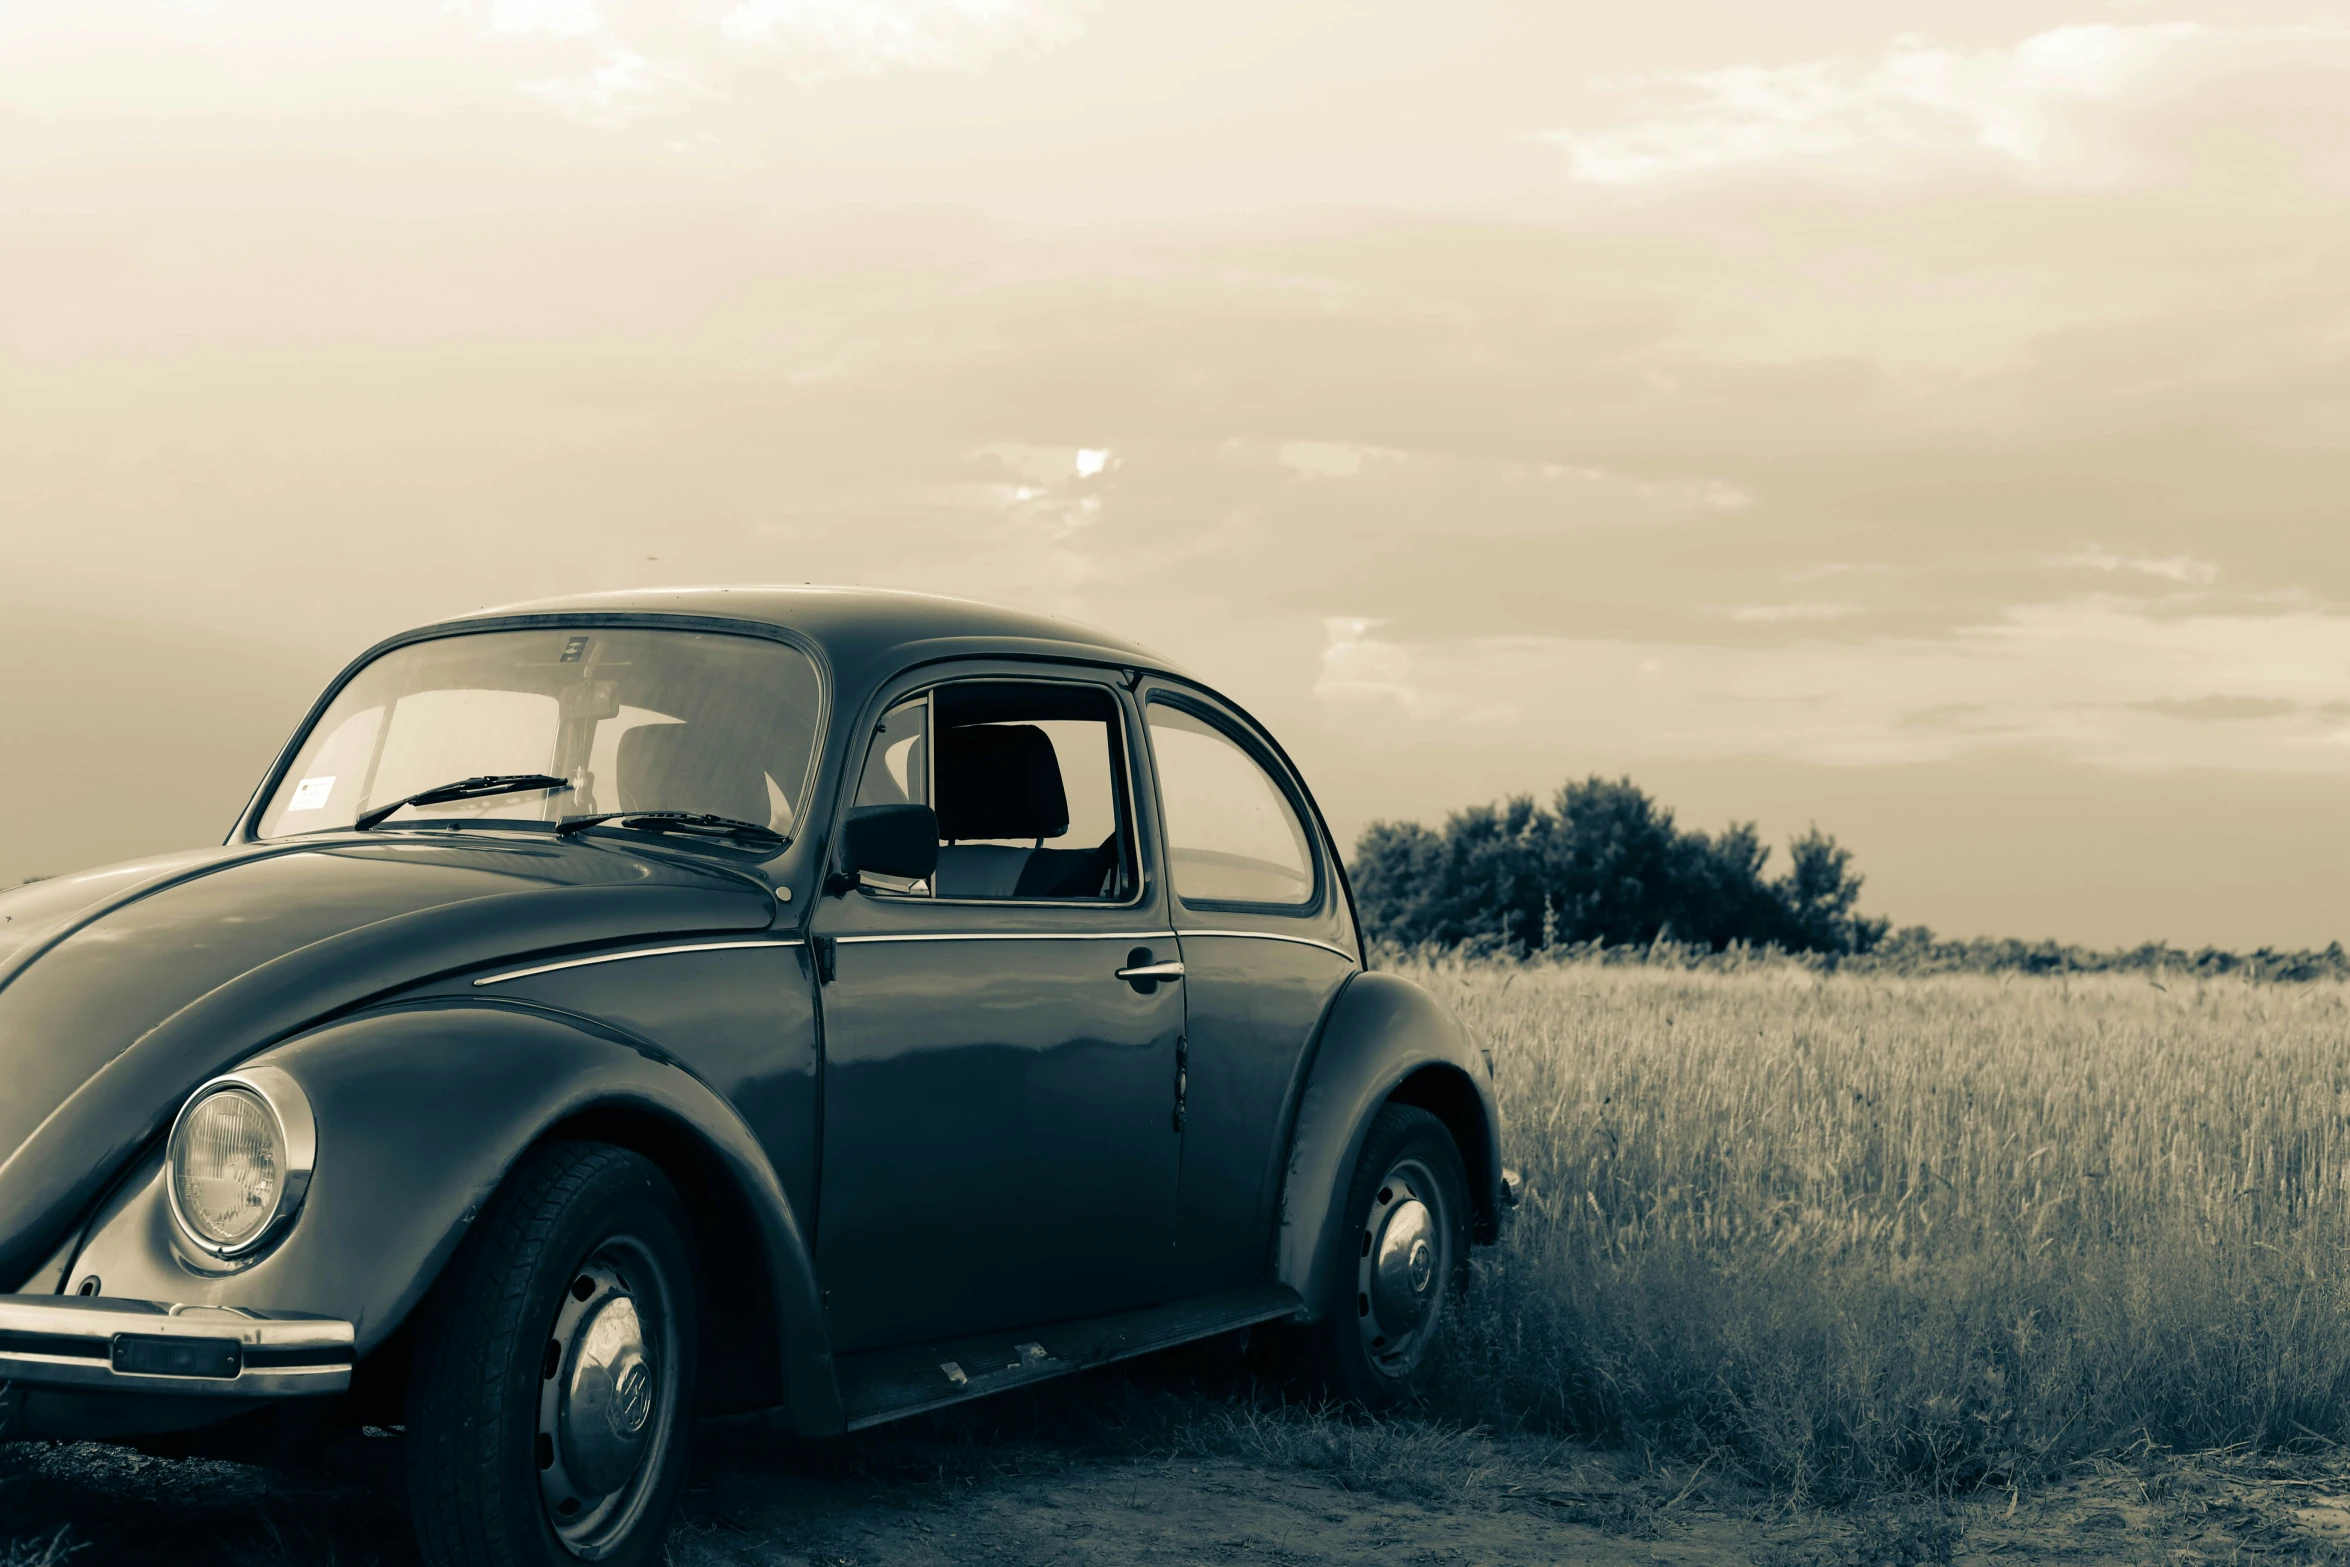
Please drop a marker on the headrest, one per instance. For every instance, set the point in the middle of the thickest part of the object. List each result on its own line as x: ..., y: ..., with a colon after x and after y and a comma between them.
x: 999, y: 781
x: 690, y: 767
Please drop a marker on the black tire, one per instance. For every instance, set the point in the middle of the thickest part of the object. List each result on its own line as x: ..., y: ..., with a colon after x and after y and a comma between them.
x: 1407, y: 1155
x: 583, y: 1246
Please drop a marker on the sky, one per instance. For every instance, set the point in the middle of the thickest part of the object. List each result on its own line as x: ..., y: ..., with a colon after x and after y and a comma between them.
x: 1932, y: 420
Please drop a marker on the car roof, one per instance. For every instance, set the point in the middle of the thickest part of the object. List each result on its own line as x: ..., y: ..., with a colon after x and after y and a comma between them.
x: 866, y: 633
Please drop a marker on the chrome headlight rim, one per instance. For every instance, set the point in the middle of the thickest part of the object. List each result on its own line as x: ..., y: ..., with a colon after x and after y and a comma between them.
x: 297, y: 1134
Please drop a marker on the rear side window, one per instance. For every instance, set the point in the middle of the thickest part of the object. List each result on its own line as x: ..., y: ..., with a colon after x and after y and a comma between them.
x: 1232, y: 835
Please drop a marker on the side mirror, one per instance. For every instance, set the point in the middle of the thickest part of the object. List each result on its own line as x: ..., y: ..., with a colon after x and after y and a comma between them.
x: 889, y: 840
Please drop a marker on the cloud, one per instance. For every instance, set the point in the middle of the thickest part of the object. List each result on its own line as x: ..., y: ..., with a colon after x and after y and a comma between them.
x: 1330, y: 459
x: 1832, y: 568
x: 563, y: 18
x: 1764, y: 614
x: 1040, y: 466
x: 2222, y: 709
x: 1556, y: 495
x: 2175, y: 568
x: 656, y: 61
x: 1694, y: 495
x: 2043, y: 108
x: 2093, y: 679
x: 1356, y: 665
x: 874, y: 35
x: 625, y: 88
x: 1359, y: 667
x: 1046, y: 505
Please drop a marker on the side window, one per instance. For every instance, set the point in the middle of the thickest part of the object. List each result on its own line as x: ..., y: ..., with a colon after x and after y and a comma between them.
x: 897, y: 772
x: 897, y: 762
x: 1232, y: 835
x: 1028, y: 780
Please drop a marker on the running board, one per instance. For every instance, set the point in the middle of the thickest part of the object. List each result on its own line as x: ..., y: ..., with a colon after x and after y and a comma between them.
x: 878, y: 1385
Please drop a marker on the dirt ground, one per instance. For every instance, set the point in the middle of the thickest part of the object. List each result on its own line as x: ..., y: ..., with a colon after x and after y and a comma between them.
x: 1120, y: 1476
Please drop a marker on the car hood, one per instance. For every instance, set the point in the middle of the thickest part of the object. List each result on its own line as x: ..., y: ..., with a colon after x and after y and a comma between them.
x: 121, y: 989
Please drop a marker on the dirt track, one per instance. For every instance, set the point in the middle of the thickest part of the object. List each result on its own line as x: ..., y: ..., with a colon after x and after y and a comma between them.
x: 1121, y: 1476
x: 752, y: 1504
x: 1136, y: 1512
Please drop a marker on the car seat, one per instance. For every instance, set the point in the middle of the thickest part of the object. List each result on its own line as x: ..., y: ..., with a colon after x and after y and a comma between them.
x: 1004, y: 781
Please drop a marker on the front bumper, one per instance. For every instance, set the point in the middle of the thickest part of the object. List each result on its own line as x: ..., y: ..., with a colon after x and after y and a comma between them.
x: 90, y: 1344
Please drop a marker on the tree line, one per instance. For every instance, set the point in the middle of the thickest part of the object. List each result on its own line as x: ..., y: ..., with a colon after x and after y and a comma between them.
x: 1603, y: 864
x: 1604, y: 871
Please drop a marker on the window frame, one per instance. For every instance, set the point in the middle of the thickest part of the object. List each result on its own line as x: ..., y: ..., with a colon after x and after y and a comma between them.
x: 1124, y: 801
x: 1270, y: 763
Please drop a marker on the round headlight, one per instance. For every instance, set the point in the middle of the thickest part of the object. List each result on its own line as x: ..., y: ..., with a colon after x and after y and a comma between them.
x: 237, y: 1167
x: 228, y: 1167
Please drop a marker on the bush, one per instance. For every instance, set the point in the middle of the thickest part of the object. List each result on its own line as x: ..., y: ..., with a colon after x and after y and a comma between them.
x: 1606, y: 864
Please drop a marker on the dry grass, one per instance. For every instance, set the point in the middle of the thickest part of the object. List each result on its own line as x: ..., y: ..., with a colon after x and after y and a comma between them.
x: 54, y: 1551
x: 1850, y: 1234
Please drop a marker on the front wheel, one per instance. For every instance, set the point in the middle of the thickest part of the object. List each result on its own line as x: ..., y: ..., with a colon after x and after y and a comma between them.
x: 551, y: 1395
x: 1404, y: 1271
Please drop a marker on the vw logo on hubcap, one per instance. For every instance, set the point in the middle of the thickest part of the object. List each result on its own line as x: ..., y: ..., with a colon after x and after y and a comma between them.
x: 1399, y: 1274
x: 632, y: 1400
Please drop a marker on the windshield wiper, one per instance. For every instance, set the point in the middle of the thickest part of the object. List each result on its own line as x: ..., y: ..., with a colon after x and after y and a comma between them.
x: 464, y: 789
x: 700, y: 823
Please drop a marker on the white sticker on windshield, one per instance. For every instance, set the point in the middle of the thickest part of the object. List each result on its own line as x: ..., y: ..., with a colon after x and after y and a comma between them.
x: 311, y: 793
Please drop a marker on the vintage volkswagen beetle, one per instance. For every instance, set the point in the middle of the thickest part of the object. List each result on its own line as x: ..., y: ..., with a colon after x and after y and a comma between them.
x: 606, y: 1012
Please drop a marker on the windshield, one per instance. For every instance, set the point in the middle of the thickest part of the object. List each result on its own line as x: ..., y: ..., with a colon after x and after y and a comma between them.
x: 636, y: 720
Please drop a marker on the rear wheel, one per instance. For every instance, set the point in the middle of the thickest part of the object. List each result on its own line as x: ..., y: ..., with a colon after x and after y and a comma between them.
x: 551, y: 1396
x: 1403, y: 1270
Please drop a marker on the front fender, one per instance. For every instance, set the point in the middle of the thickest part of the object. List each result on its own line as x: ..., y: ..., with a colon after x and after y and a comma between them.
x: 422, y: 1109
x: 1384, y: 1039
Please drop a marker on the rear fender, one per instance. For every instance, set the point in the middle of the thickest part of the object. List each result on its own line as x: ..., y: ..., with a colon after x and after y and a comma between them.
x: 422, y: 1110
x: 1385, y: 1040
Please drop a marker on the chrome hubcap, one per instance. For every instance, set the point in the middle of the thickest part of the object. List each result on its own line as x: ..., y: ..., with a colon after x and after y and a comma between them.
x: 606, y: 1411
x: 608, y: 1398
x: 1403, y: 1267
x: 1400, y: 1283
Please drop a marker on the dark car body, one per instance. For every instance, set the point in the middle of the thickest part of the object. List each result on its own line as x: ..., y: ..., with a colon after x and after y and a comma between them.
x: 912, y: 1133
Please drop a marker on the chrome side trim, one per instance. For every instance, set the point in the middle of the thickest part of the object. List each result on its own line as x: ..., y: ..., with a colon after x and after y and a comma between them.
x: 1272, y: 935
x: 641, y: 952
x: 1016, y: 935
x: 71, y: 1341
x: 1090, y: 935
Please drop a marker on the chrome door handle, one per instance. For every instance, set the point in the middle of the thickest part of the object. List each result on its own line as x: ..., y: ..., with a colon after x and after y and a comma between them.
x: 1169, y: 970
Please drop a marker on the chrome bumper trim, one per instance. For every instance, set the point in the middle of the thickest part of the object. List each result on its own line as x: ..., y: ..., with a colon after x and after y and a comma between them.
x: 94, y: 1342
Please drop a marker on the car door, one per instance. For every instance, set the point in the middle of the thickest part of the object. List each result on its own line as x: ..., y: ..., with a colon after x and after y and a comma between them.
x: 999, y: 1138
x: 1267, y: 940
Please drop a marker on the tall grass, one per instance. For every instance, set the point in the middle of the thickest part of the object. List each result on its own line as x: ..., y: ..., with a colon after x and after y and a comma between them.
x: 52, y: 1551
x: 1851, y: 1233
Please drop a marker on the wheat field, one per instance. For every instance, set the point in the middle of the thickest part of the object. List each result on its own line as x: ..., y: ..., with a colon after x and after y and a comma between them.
x: 1849, y: 1234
